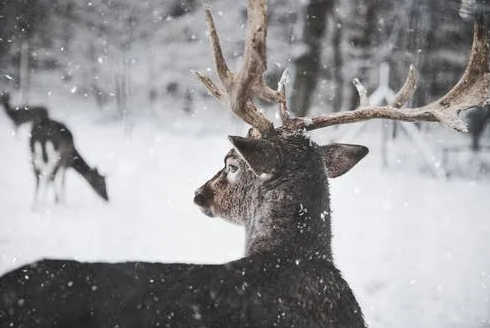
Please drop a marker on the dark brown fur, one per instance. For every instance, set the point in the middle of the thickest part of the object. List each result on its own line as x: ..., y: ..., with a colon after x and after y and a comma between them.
x: 279, y: 192
x: 60, y: 137
x: 22, y: 114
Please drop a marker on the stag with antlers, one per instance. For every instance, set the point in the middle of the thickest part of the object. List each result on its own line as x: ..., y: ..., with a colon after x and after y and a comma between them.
x: 275, y: 184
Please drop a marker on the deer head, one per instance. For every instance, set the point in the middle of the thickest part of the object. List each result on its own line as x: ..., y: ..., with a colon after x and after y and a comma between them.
x: 277, y: 188
x: 98, y: 183
x: 275, y: 180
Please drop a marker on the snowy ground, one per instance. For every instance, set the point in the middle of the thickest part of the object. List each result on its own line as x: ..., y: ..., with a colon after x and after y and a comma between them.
x: 415, y: 250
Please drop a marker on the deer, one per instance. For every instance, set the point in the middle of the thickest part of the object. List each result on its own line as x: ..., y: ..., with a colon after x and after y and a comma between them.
x: 275, y: 184
x: 52, y: 153
x: 23, y: 114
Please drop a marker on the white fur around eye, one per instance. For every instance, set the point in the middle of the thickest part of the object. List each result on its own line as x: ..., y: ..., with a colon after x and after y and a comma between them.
x: 232, y: 170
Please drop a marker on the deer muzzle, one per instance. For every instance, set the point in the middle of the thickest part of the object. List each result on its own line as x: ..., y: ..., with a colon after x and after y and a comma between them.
x: 203, y: 198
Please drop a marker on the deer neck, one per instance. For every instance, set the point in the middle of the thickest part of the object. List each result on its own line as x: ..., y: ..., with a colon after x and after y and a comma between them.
x: 79, y: 165
x: 292, y: 223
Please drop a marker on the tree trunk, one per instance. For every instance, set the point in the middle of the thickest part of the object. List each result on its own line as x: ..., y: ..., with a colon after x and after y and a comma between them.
x: 363, y: 38
x: 307, y: 64
x: 338, y: 76
x: 25, y: 78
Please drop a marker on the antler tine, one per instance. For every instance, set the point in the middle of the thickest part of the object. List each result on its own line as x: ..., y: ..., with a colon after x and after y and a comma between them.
x: 472, y: 90
x: 402, y: 96
x: 238, y: 88
x: 255, y: 61
x: 212, y: 88
x: 361, y: 90
x: 219, y: 61
x: 283, y: 109
x: 281, y: 90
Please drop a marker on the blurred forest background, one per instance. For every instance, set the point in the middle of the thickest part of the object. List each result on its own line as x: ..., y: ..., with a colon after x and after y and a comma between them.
x: 130, y: 57
x: 117, y: 72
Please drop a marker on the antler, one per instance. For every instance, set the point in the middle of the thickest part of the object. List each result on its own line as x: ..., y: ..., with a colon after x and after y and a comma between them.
x: 237, y: 89
x: 472, y: 90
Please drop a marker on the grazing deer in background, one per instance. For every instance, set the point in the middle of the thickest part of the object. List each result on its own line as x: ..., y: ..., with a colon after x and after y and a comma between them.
x: 275, y: 184
x: 53, y: 151
x: 22, y: 114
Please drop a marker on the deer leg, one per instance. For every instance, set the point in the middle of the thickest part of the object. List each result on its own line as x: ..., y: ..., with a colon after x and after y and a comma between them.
x: 50, y: 167
x: 44, y: 179
x: 37, y: 173
x: 15, y: 131
x: 41, y: 187
x: 36, y: 161
x: 59, y: 183
x: 63, y: 189
x: 54, y: 179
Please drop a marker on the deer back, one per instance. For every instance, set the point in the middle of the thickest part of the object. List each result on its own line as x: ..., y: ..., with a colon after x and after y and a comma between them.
x: 249, y: 292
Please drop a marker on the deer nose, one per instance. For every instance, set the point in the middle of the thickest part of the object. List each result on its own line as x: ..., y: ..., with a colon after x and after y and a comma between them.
x: 199, y: 198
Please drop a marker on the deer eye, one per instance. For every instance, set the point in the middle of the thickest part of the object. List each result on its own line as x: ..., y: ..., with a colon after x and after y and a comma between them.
x: 231, y: 168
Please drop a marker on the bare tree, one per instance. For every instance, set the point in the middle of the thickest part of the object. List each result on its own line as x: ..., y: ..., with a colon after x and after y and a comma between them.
x: 307, y: 63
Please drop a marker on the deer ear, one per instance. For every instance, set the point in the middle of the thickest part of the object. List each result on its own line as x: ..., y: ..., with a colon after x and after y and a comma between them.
x: 340, y: 158
x: 261, y: 155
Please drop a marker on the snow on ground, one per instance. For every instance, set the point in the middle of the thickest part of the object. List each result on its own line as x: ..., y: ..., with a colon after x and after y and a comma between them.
x: 416, y: 251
